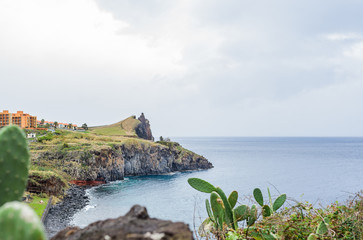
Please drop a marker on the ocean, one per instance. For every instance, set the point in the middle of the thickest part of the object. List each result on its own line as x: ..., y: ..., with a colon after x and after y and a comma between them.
x: 315, y: 169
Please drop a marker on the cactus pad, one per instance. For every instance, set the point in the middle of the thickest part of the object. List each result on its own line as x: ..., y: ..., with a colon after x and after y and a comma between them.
x: 19, y: 222
x: 322, y: 228
x: 207, y: 206
x: 241, y: 212
x: 266, y: 211
x: 252, y: 217
x: 279, y: 202
x: 232, y: 199
x: 201, y: 185
x: 14, y: 163
x: 257, y: 194
x: 218, y: 210
x: 228, y: 210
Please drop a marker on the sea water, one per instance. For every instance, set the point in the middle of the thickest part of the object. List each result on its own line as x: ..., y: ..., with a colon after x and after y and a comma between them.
x: 318, y: 170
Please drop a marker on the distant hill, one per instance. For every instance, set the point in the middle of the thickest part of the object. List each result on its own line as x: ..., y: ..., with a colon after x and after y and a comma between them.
x: 131, y: 126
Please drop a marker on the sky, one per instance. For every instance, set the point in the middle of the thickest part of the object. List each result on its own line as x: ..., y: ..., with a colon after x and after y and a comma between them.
x: 194, y: 67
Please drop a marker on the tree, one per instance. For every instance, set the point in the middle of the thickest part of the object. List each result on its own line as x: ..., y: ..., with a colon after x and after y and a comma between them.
x: 47, y: 125
x: 84, y: 126
x: 55, y: 124
x: 70, y: 126
x: 42, y: 122
x: 161, y: 139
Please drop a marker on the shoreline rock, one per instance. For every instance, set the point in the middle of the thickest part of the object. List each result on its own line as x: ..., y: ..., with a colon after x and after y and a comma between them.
x: 132, y: 158
x: 136, y: 224
x: 61, y: 214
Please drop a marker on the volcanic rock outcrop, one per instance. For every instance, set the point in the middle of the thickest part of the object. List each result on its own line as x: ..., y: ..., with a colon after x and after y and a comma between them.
x: 136, y: 224
x: 133, y: 158
x: 143, y: 130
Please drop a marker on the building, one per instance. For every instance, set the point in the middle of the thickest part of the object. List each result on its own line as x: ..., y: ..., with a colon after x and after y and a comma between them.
x: 31, y: 135
x: 19, y: 118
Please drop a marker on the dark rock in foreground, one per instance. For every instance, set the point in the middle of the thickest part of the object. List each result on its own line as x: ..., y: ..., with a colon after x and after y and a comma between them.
x: 136, y: 224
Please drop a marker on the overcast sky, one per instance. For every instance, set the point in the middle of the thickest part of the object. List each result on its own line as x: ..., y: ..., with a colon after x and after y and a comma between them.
x: 194, y: 67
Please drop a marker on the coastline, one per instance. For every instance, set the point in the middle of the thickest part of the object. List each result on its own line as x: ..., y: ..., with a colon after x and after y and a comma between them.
x: 61, y: 214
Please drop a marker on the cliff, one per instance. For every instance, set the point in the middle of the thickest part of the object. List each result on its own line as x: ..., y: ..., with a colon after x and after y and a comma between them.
x: 112, y: 162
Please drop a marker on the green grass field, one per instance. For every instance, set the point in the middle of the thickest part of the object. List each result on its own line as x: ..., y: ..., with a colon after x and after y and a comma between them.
x: 37, y: 206
x: 123, y: 128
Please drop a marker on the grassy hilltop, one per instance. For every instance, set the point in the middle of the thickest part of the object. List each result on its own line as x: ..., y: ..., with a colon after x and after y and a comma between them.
x: 62, y: 155
x: 123, y: 128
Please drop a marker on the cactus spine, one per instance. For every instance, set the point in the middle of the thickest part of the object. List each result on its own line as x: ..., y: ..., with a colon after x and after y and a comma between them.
x: 14, y: 164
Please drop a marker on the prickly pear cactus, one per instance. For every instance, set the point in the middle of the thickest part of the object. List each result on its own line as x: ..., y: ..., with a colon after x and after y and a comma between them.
x: 14, y: 163
x: 218, y: 210
x: 232, y: 199
x: 201, y: 185
x: 19, y: 221
x: 266, y: 211
x: 252, y: 215
x: 241, y: 212
x: 279, y: 202
x: 257, y: 194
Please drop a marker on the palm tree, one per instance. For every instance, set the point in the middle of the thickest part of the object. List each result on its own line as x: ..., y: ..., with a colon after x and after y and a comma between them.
x: 55, y: 124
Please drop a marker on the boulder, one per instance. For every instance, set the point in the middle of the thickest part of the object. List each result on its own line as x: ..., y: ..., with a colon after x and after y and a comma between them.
x: 136, y: 224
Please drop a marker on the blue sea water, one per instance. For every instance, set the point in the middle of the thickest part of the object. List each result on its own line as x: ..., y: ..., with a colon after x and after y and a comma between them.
x: 318, y: 170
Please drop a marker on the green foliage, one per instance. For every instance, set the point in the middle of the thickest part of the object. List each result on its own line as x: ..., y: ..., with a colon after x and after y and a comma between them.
x: 201, y: 185
x: 37, y: 206
x: 257, y: 194
x: 48, y: 137
x: 19, y: 221
x: 241, y: 212
x: 223, y: 214
x: 14, y: 163
x: 268, y: 210
x: 232, y: 199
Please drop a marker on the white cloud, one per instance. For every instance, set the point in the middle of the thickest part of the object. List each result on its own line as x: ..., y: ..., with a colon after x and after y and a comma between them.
x: 343, y: 36
x: 188, y: 65
x: 78, y: 35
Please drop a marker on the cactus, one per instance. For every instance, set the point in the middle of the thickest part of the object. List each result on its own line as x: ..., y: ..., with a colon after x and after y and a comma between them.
x: 257, y: 194
x: 14, y: 164
x: 223, y: 208
x: 19, y: 221
x: 218, y: 210
x: 279, y: 202
x: 274, y: 206
x: 232, y: 199
x: 241, y: 212
x: 201, y: 185
x: 320, y: 230
x: 252, y: 217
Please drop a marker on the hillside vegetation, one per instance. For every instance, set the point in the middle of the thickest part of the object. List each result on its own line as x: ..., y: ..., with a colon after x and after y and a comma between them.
x: 123, y: 128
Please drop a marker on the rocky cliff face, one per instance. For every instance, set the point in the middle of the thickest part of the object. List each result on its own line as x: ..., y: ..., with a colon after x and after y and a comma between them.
x: 158, y: 159
x: 129, y: 159
x: 143, y: 130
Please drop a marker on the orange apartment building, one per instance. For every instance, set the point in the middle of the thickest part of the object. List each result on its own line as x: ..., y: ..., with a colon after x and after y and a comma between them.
x: 19, y: 118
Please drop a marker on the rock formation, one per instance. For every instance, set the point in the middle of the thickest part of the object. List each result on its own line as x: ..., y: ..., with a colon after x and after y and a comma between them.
x: 136, y: 224
x: 128, y: 159
x: 143, y: 130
